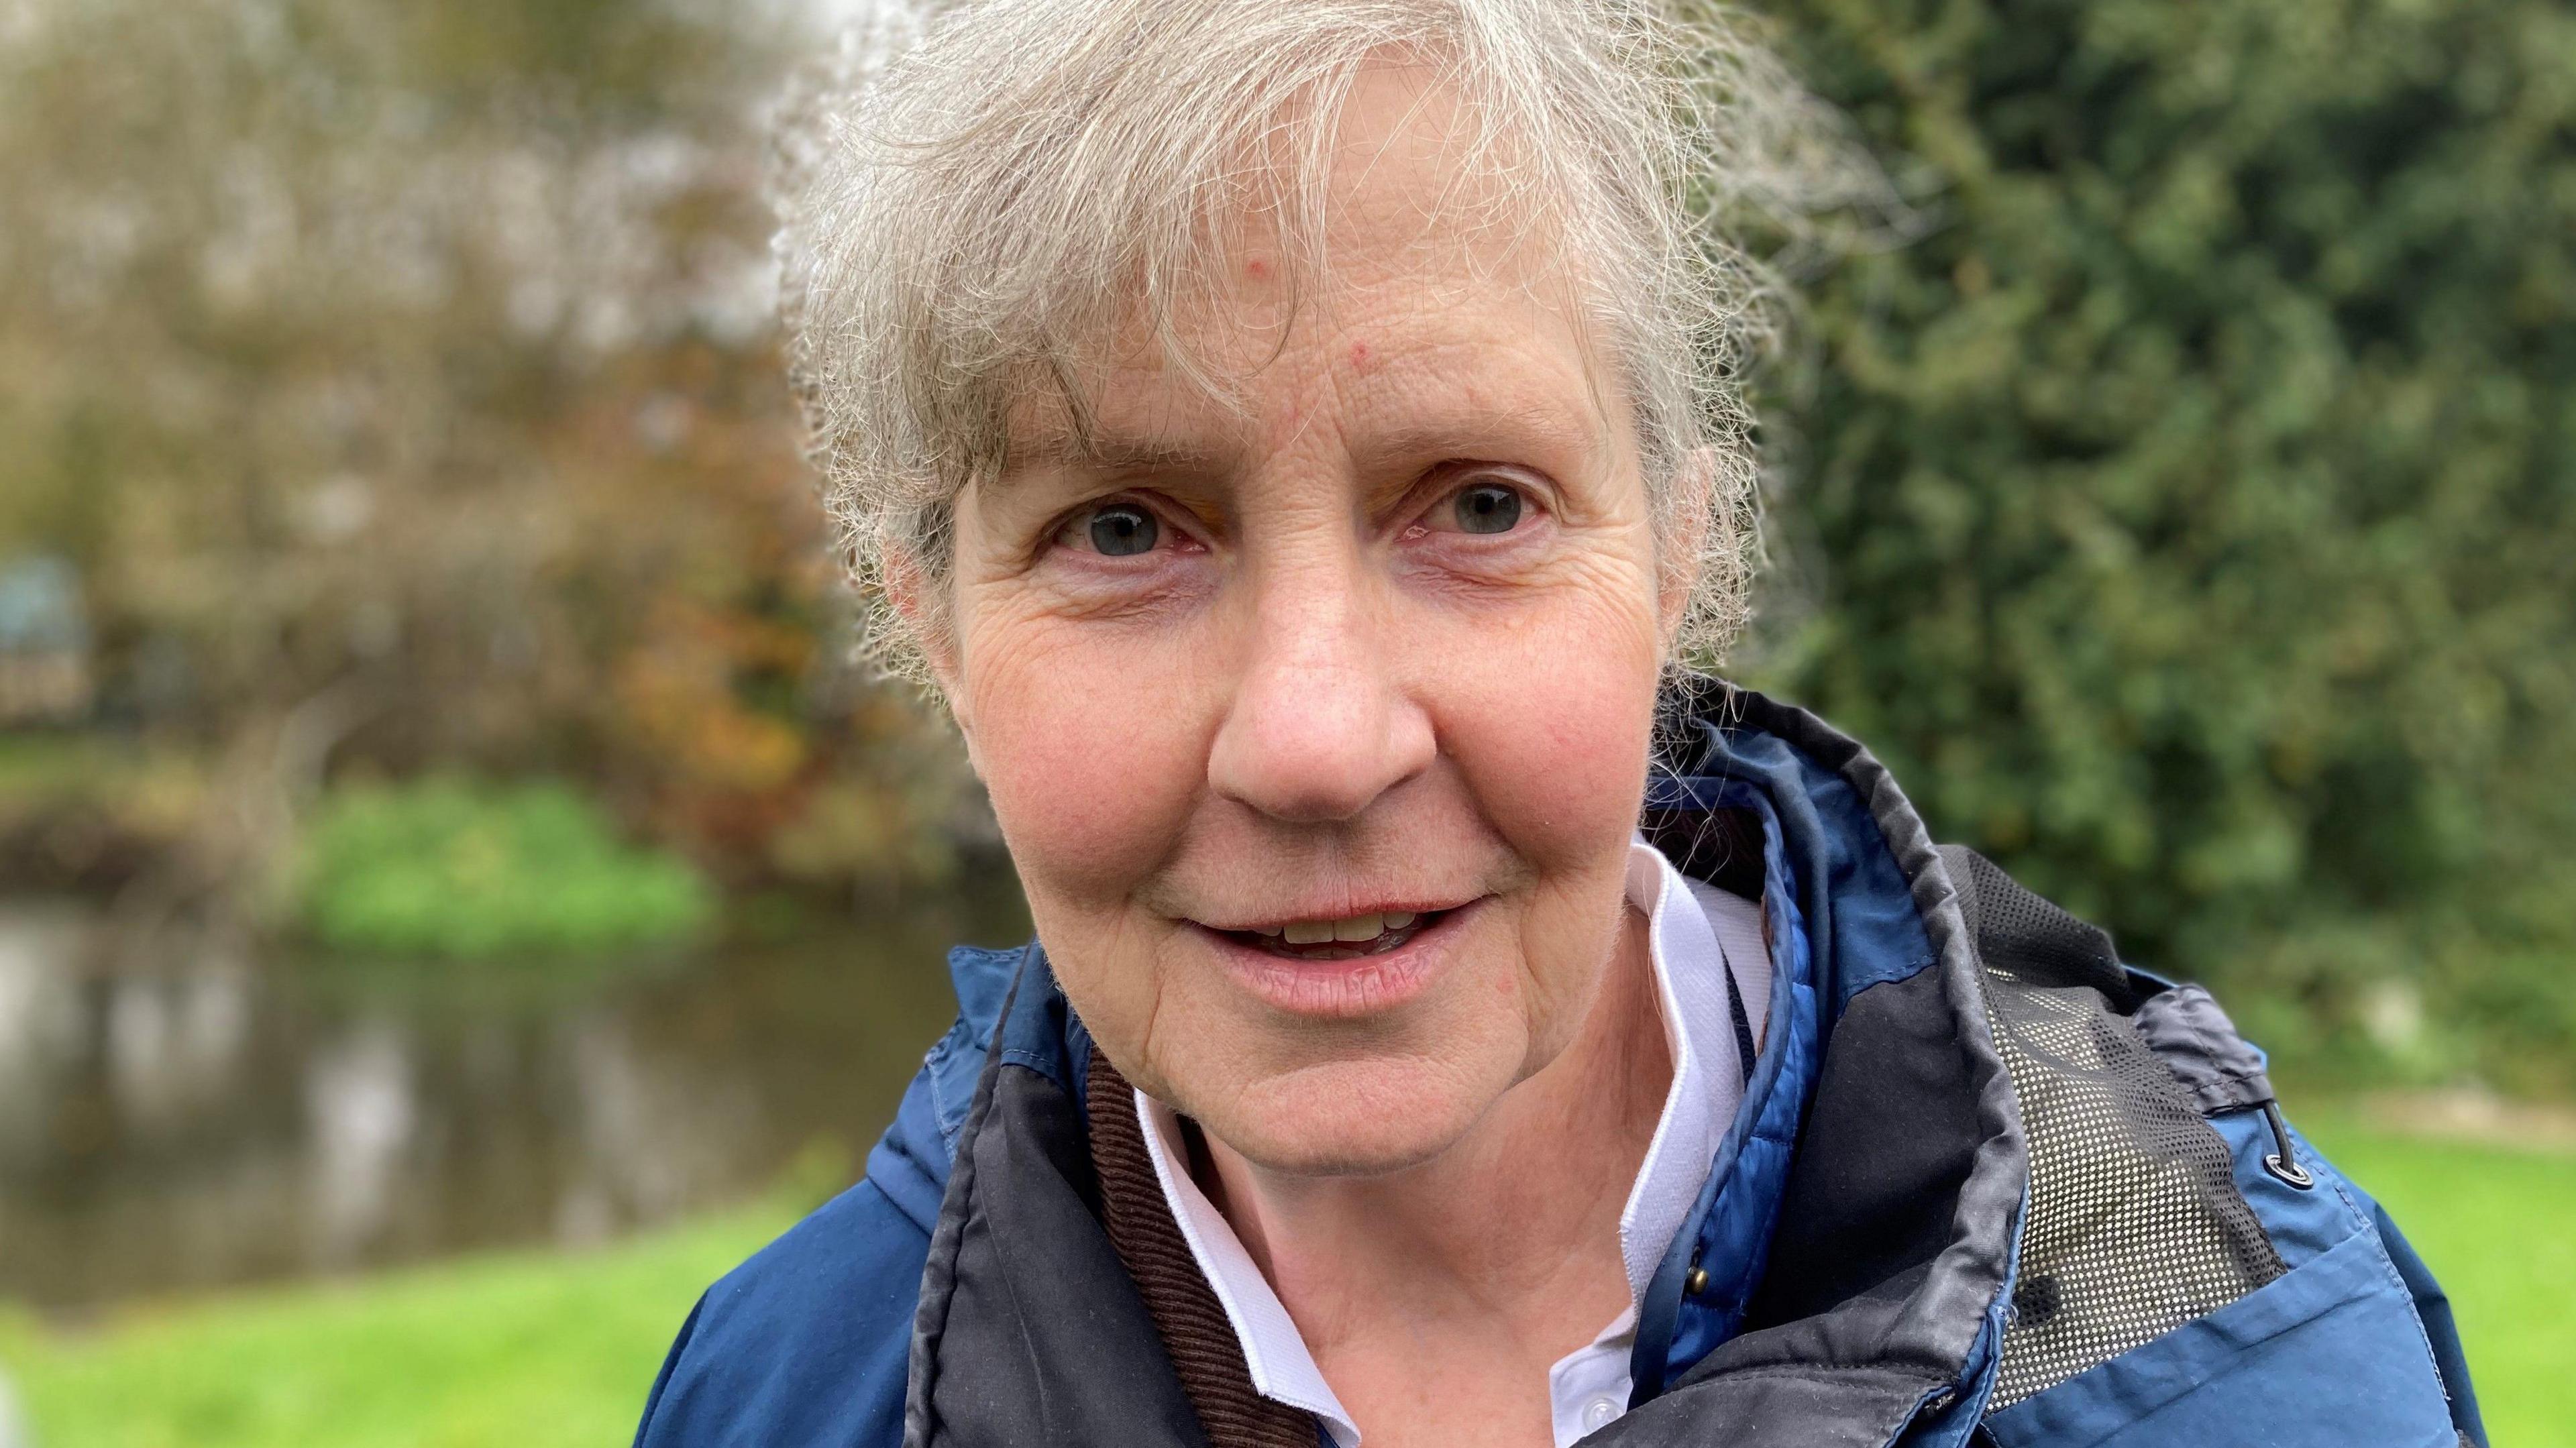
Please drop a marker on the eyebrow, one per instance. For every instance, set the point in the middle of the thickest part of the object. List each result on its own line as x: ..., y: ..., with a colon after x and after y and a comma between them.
x: 1141, y: 452
x: 1518, y: 413
x: 1471, y: 434
x: 1098, y: 449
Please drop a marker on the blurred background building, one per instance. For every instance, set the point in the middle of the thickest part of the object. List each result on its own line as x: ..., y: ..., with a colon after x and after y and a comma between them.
x: 445, y: 851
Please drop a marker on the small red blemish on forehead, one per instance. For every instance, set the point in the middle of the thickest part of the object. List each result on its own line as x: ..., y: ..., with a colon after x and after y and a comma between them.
x: 1359, y: 356
x: 1256, y: 268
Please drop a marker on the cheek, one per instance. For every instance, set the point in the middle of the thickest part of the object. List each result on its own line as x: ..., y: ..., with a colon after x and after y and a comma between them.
x: 1093, y: 749
x: 1551, y: 719
x: 1551, y: 723
x: 1093, y: 760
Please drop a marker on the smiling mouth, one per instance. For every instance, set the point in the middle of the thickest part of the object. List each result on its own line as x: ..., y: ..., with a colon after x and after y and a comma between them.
x: 1347, y: 939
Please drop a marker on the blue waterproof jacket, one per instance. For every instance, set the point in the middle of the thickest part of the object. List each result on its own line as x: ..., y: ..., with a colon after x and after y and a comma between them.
x: 1987, y: 1185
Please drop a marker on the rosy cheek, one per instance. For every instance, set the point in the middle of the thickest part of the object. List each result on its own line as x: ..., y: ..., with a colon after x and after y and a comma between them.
x: 1089, y: 759
x: 1554, y: 739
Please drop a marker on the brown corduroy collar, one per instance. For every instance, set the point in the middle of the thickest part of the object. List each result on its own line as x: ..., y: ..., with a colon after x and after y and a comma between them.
x: 1196, y: 1333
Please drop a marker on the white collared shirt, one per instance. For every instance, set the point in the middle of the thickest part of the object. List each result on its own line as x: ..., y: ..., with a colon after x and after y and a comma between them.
x: 1694, y: 931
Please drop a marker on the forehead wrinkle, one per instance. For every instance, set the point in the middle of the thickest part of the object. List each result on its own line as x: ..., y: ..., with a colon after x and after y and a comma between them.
x: 1422, y: 399
x: 1449, y: 397
x: 1445, y: 389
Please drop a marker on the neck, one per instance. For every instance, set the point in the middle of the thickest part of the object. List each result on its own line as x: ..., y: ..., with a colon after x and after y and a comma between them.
x: 1510, y: 1237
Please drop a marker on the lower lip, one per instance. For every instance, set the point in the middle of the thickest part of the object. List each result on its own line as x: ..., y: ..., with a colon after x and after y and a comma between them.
x: 1345, y: 989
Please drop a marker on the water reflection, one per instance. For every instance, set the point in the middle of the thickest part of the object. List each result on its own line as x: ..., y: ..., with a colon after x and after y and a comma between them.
x: 208, y: 1119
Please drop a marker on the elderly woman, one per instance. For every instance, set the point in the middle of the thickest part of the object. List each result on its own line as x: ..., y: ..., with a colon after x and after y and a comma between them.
x: 1298, y: 438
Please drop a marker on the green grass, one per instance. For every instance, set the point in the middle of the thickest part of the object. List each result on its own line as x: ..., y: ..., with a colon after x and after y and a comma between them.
x: 521, y: 1350
x: 2498, y: 1227
x: 538, y: 1350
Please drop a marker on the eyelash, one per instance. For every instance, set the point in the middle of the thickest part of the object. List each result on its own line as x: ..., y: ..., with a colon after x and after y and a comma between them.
x: 1063, y: 533
x: 1532, y: 500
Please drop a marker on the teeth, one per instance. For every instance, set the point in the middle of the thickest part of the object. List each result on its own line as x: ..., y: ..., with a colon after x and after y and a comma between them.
x: 1350, y: 931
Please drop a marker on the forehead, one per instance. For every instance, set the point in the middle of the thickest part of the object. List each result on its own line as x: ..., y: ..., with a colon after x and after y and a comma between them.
x: 1399, y: 273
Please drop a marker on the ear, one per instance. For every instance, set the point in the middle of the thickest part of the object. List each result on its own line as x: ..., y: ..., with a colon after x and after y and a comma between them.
x: 1679, y: 550
x: 914, y: 595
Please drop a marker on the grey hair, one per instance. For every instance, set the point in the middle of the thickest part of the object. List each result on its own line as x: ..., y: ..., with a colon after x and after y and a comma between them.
x: 978, y: 192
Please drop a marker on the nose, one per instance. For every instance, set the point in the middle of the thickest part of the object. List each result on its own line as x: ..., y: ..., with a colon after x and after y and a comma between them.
x: 1319, y: 725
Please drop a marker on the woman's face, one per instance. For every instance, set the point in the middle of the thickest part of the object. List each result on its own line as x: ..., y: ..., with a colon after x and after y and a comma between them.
x: 1317, y: 726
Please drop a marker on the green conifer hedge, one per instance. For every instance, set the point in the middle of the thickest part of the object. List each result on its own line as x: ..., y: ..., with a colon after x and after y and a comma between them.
x: 2188, y: 514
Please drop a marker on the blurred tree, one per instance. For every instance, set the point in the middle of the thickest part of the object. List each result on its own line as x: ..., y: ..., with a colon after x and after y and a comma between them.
x: 402, y: 379
x: 2188, y: 516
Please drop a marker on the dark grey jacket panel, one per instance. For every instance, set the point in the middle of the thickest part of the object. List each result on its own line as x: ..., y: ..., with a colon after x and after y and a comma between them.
x: 1888, y: 1270
x: 1036, y: 1333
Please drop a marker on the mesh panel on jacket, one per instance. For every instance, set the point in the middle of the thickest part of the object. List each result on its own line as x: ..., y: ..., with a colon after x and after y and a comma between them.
x: 2135, y: 1224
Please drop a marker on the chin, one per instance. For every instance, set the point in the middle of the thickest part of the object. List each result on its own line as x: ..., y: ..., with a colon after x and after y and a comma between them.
x: 1357, y: 1118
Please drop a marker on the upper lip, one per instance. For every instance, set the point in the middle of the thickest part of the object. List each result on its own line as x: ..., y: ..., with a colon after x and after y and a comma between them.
x: 1388, y: 905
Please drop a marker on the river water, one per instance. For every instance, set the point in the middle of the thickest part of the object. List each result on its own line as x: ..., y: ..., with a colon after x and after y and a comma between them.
x: 206, y: 1118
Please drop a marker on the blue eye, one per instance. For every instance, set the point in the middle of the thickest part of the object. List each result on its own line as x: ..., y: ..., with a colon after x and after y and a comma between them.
x: 1122, y: 530
x: 1487, y: 508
